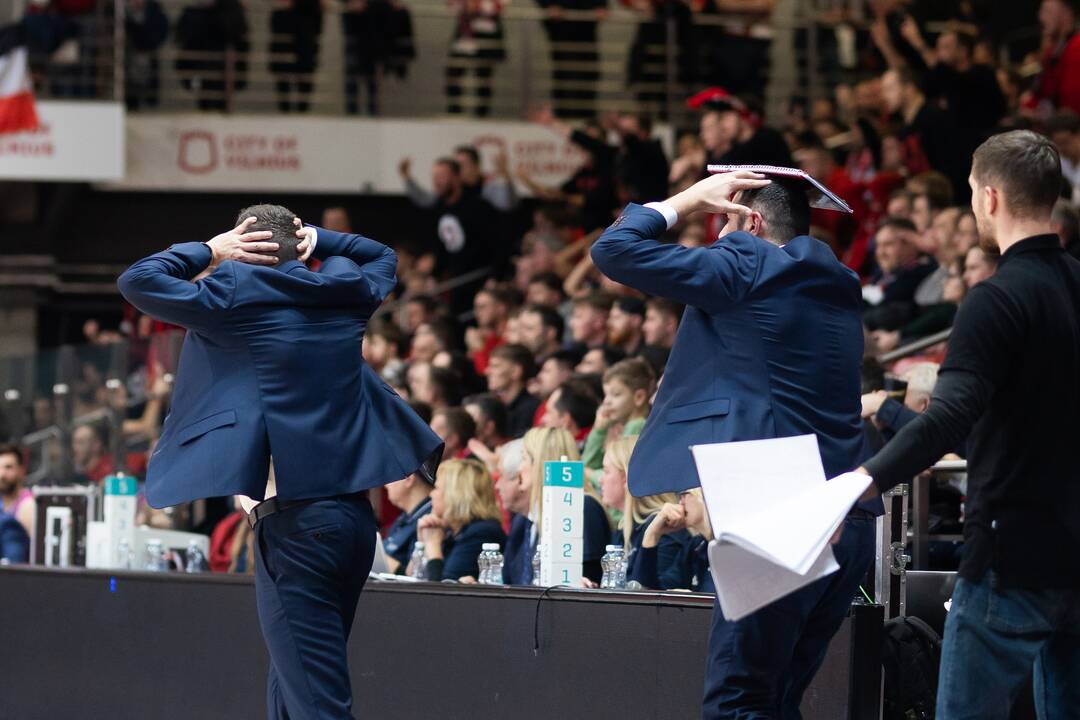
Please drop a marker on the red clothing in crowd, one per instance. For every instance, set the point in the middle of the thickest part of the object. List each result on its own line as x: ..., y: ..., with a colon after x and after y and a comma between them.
x: 1060, y: 79
x: 221, y: 540
x: 482, y: 357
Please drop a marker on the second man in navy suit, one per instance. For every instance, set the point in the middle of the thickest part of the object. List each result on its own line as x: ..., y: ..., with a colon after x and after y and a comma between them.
x: 770, y: 345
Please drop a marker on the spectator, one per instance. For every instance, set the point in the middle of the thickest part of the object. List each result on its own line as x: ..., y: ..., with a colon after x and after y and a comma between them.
x: 295, y: 26
x: 491, y: 310
x: 514, y: 489
x: 420, y: 309
x: 979, y: 265
x: 637, y: 515
x: 475, y: 49
x: 540, y: 330
x: 497, y: 189
x: 1064, y: 130
x: 145, y: 30
x: 598, y: 360
x: 557, y: 369
x: 336, y: 218
x: 628, y: 388
x: 588, y: 320
x: 456, y: 428
x: 434, y: 386
x: 221, y: 539
x: 732, y: 136
x: 511, y: 367
x: 624, y: 325
x: 88, y: 456
x: 662, y: 318
x: 1066, y: 223
x: 693, y: 564
x: 967, y: 233
x: 546, y: 289
x: 464, y: 515
x: 382, y: 348
x: 890, y: 414
x: 937, y: 242
x: 490, y: 418
x: 16, y: 499
x: 543, y: 445
x: 411, y: 495
x: 1059, y: 83
x: 933, y: 319
x: 14, y: 540
x: 892, y: 296
x: 572, y: 407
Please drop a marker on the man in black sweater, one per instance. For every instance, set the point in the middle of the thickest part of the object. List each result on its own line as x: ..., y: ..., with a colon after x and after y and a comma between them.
x: 1013, y: 364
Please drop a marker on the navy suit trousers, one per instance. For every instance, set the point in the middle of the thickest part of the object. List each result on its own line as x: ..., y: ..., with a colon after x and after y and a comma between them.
x: 310, y: 566
x: 760, y: 666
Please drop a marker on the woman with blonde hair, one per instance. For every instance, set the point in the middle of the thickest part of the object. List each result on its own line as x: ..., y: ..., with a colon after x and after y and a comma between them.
x: 464, y: 515
x: 660, y: 569
x: 542, y: 445
x: 693, y: 564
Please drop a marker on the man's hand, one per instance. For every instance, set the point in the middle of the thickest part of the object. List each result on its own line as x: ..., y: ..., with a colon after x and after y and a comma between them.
x: 872, y: 491
x: 243, y: 246
x: 871, y: 403
x: 308, y: 237
x: 671, y: 518
x: 714, y: 194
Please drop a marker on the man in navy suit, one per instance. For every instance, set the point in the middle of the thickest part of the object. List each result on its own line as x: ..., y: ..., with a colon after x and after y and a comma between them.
x: 272, y: 368
x: 770, y: 345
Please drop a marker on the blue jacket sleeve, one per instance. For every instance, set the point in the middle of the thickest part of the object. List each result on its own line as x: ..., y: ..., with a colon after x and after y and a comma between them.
x: 161, y: 286
x: 14, y: 542
x: 664, y: 567
x: 709, y: 278
x: 376, y: 261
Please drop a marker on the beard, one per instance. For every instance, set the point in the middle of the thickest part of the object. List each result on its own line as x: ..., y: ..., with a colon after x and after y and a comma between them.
x: 987, y: 239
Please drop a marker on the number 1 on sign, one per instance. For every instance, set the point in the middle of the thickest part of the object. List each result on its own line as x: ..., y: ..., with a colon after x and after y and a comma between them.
x: 565, y: 575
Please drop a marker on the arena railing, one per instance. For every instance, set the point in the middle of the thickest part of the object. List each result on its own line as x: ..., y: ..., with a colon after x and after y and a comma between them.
x: 915, y: 347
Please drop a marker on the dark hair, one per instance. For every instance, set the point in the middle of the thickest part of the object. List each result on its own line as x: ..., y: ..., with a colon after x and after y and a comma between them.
x: 631, y: 305
x: 510, y: 297
x: 1025, y: 166
x: 429, y: 303
x: 389, y: 331
x: 594, y: 381
x: 597, y: 301
x: 1064, y: 120
x: 784, y: 205
x: 577, y: 399
x: 422, y: 409
x: 468, y: 150
x: 633, y: 372
x: 550, y: 318
x: 464, y: 368
x: 657, y: 358
x: 279, y: 221
x: 612, y: 355
x: 518, y: 355
x: 492, y: 409
x: 897, y: 223
x: 938, y: 189
x: 454, y: 165
x: 566, y: 357
x: 666, y: 306
x: 13, y: 449
x: 447, y: 384
x: 459, y: 422
x: 548, y: 280
x: 1066, y: 216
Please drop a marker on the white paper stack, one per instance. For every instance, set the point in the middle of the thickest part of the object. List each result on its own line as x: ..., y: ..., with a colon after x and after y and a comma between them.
x: 773, y: 514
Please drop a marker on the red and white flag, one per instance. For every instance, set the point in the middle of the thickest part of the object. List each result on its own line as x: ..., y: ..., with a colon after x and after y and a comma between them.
x: 17, y: 113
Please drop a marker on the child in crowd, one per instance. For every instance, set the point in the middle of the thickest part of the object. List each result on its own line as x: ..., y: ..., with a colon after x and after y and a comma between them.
x: 628, y: 388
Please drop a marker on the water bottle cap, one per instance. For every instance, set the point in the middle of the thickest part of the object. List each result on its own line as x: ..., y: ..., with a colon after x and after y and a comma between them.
x: 419, y: 545
x: 491, y: 546
x: 611, y: 548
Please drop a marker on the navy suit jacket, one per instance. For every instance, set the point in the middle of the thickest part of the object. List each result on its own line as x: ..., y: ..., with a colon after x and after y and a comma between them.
x: 272, y: 366
x: 770, y: 346
x: 14, y: 542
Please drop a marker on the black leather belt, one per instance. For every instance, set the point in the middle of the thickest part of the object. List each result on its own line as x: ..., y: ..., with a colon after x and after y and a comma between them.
x: 273, y: 505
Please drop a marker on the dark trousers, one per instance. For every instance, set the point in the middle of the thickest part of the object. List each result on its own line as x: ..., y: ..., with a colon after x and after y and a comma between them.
x: 310, y: 566
x: 760, y: 666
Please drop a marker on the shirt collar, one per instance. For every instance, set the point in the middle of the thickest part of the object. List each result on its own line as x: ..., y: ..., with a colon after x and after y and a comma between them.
x: 420, y: 508
x: 1035, y: 242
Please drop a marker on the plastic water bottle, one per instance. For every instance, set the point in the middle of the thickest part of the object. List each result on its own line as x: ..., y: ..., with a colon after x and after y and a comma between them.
x: 196, y: 561
x: 495, y: 571
x: 483, y: 562
x: 607, y: 564
x: 619, y: 569
x: 123, y: 555
x: 419, y: 564
x: 155, y: 556
x: 536, y: 566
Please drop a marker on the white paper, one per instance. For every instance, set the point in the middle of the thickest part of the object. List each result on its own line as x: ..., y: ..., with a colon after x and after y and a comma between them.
x: 773, y: 515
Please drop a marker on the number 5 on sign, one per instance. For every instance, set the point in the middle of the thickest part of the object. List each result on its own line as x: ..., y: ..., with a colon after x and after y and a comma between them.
x: 562, y: 504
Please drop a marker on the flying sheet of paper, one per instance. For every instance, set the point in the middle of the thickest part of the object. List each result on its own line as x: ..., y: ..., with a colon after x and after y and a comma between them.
x: 773, y: 515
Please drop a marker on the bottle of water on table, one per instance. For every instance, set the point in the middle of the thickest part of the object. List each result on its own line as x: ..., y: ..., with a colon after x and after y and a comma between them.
x: 418, y: 571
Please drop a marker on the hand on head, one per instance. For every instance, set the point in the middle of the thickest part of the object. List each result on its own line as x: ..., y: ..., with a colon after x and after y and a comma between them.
x: 307, y: 237
x: 243, y: 246
x: 715, y: 194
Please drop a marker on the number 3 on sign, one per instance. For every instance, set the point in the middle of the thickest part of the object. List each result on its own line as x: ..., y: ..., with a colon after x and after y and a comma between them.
x: 567, y: 525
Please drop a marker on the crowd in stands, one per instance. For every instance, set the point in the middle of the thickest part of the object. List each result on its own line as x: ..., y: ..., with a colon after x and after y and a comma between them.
x: 518, y: 351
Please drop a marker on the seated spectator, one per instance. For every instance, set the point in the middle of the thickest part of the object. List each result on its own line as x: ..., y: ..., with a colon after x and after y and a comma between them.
x: 572, y: 407
x: 491, y: 309
x: 1065, y: 220
x: 636, y: 516
x: 624, y: 325
x: 221, y: 538
x: 662, y: 317
x: 628, y: 387
x: 889, y: 415
x: 510, y: 369
x: 967, y: 233
x: 411, y: 495
x: 545, y: 289
x: 456, y: 428
x: 933, y: 319
x: 540, y: 329
x: 555, y: 370
x: 15, y: 498
x: 464, y: 515
x: 543, y: 445
x: 462, y: 369
x: 979, y: 265
x: 588, y: 320
x: 14, y: 540
x: 434, y: 386
x: 88, y: 454
x: 420, y: 309
x: 597, y: 361
x: 515, y: 493
x: 491, y: 420
x: 383, y: 344
x: 689, y: 515
x: 891, y: 298
x: 430, y: 339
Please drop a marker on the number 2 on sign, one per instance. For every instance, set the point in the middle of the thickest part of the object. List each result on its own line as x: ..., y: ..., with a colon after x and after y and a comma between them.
x: 567, y: 548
